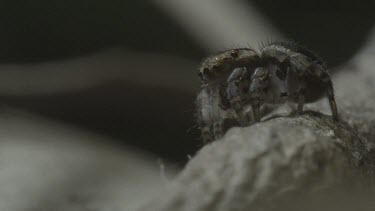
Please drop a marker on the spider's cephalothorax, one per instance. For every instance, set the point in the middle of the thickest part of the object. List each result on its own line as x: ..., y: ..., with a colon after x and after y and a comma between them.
x: 237, y: 79
x: 212, y: 102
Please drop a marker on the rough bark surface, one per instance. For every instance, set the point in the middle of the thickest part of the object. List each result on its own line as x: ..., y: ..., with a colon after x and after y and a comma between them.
x: 289, y: 162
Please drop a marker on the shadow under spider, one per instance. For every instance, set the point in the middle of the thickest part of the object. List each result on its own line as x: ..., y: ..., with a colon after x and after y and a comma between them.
x: 294, y: 114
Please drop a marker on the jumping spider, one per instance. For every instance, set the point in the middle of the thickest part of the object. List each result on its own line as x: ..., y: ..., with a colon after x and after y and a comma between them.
x: 238, y: 80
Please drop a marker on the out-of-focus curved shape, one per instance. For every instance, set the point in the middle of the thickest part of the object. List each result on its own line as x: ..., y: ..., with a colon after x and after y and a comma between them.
x: 97, y: 69
x: 220, y: 24
x: 46, y: 165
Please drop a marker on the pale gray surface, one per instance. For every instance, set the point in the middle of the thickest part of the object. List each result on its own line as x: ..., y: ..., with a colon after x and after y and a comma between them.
x: 46, y: 165
x: 290, y: 162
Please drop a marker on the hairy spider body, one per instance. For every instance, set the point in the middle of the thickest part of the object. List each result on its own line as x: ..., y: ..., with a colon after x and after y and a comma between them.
x: 212, y: 104
x: 236, y: 79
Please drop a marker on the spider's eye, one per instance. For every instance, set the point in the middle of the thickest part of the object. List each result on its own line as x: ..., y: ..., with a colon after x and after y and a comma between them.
x: 234, y: 54
x: 205, y: 71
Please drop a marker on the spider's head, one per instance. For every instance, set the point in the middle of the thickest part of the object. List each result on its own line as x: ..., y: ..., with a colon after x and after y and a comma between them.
x: 220, y: 66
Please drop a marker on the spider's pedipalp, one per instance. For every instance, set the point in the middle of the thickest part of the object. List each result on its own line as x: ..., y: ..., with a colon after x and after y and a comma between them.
x: 210, y: 112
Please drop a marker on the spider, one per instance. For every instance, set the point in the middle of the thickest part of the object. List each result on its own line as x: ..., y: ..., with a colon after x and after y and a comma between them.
x: 236, y: 81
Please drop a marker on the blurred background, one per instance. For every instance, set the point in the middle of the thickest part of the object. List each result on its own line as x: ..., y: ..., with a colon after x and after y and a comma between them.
x: 126, y: 70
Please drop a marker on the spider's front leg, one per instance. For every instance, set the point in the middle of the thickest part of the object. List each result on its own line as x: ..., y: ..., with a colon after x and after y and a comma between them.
x: 236, y: 93
x: 301, y: 93
x: 260, y: 83
x: 211, y: 132
x: 323, y: 75
x: 218, y: 129
x: 282, y: 74
x: 205, y: 133
x: 300, y: 71
x: 210, y: 115
x: 203, y: 106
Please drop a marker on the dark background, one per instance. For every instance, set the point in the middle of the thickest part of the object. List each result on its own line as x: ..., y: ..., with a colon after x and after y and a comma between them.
x: 153, y: 118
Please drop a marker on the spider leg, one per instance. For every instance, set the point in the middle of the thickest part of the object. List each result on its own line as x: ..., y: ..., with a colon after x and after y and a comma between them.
x: 324, y: 76
x: 205, y: 134
x: 255, y: 106
x: 282, y: 73
x: 203, y: 115
x: 218, y: 129
x: 242, y: 118
x: 260, y: 82
x: 301, y: 94
x: 235, y: 94
x: 224, y: 102
x: 332, y: 103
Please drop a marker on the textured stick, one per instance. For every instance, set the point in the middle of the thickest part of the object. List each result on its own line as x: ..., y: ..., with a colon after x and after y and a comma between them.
x: 253, y: 167
x: 289, y: 162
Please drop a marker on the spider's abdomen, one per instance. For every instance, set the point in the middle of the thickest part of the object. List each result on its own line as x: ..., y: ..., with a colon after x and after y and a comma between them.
x: 298, y: 64
x: 291, y: 48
